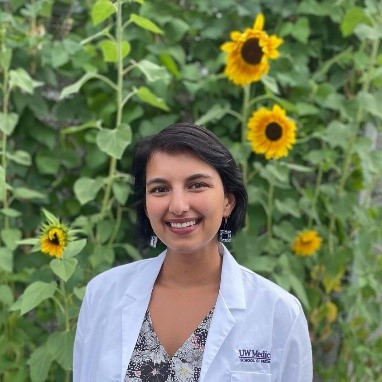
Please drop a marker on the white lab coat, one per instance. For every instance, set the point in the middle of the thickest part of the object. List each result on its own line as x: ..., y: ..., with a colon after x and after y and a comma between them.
x: 258, y: 331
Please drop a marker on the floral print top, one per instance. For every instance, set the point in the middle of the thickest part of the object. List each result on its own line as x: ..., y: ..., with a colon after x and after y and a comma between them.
x: 151, y: 363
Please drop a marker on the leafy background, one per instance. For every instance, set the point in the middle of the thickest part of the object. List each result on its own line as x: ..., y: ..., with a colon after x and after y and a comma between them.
x: 82, y: 81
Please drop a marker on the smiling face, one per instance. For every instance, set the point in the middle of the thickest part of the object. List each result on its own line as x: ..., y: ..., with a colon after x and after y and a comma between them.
x: 185, y: 202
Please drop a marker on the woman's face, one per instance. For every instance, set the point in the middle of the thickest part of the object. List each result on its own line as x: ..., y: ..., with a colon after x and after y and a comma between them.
x: 185, y: 202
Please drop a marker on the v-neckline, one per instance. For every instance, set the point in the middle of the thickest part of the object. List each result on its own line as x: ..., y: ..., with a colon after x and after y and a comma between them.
x: 169, y: 358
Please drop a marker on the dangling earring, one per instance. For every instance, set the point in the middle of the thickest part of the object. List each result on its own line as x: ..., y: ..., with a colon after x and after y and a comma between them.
x: 225, y: 234
x: 153, y: 241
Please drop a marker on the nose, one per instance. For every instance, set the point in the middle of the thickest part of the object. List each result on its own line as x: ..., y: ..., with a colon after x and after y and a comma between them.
x: 178, y: 202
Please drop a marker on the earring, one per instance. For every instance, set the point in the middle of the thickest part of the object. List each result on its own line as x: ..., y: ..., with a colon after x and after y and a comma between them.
x: 153, y: 241
x: 225, y: 234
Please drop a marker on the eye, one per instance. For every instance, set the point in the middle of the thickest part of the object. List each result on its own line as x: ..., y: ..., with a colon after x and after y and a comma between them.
x: 158, y: 190
x: 198, y: 185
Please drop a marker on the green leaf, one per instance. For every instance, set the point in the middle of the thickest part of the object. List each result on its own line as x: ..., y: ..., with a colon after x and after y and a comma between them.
x: 39, y: 362
x: 114, y: 142
x: 21, y: 79
x: 10, y: 237
x: 46, y: 163
x: 64, y: 268
x: 216, y: 113
x: 338, y: 134
x: 75, y: 88
x: 104, y: 230
x: 145, y: 23
x: 366, y: 32
x: 288, y: 206
x: 370, y: 103
x: 79, y: 292
x: 102, y: 10
x: 74, y: 248
x: 170, y: 64
x: 6, y: 295
x: 86, y: 189
x: 301, y: 30
x: 353, y: 17
x: 146, y: 95
x: 21, y: 157
x: 109, y: 50
x: 8, y: 122
x: 5, y: 59
x: 121, y: 191
x: 59, y: 56
x: 102, y: 254
x: 152, y: 71
x: 36, y: 293
x: 10, y: 212
x: 132, y: 252
x: 6, y: 259
x: 299, y: 289
x: 304, y: 108
x: 60, y: 346
x: 270, y: 83
x: 27, y: 193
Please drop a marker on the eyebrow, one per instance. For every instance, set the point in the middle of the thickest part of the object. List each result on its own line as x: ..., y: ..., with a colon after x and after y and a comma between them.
x: 189, y: 179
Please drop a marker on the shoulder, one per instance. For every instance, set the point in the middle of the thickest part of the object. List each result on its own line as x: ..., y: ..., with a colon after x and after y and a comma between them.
x: 258, y: 288
x: 118, y: 278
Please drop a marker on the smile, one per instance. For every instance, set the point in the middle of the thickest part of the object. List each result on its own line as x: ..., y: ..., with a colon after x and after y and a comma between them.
x: 184, y: 224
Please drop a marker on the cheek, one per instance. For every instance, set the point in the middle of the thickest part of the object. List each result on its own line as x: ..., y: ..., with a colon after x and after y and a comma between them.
x: 153, y: 207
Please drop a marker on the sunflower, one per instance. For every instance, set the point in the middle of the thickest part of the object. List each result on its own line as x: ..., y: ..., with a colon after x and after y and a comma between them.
x: 248, y: 53
x: 307, y: 243
x: 54, y: 237
x: 271, y: 132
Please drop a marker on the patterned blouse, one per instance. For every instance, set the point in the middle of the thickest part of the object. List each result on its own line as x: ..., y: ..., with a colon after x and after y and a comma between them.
x: 151, y: 363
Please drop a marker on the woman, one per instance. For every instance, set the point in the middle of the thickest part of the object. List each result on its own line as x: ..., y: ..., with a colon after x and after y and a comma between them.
x: 192, y: 313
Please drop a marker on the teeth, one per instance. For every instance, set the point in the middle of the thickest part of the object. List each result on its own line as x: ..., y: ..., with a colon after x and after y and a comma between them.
x: 183, y: 225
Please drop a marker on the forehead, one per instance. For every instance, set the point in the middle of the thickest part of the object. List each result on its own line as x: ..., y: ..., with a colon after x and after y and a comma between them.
x: 180, y: 164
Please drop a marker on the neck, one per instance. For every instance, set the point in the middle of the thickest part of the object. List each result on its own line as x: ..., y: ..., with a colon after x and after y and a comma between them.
x: 187, y: 270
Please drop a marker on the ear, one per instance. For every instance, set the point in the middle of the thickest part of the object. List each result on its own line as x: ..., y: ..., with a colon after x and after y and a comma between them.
x: 230, y: 202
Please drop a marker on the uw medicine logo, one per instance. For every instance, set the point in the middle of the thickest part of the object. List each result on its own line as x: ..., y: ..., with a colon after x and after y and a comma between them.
x: 251, y: 355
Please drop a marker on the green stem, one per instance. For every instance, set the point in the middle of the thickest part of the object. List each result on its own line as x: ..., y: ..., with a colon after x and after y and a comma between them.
x: 119, y: 91
x: 349, y: 153
x: 66, y: 316
x: 244, y: 161
x: 4, y: 142
x: 315, y: 196
x: 65, y: 305
x: 270, y: 210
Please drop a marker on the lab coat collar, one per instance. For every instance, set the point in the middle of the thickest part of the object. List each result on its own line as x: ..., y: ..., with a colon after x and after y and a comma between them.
x: 231, y: 283
x: 231, y: 300
x: 138, y: 297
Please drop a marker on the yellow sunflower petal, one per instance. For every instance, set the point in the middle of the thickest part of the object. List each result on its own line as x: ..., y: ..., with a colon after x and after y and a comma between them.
x: 235, y: 35
x: 259, y: 22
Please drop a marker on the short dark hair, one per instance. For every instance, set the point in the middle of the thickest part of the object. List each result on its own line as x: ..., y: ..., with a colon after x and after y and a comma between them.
x: 197, y: 140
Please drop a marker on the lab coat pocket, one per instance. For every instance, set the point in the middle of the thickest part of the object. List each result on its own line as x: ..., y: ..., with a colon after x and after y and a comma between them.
x: 243, y: 376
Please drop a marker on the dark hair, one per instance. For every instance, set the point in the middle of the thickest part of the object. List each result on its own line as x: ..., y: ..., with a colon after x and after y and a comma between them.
x: 197, y: 140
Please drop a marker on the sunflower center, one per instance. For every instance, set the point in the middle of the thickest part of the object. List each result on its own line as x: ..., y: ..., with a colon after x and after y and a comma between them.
x: 55, y: 239
x: 251, y: 51
x: 273, y: 131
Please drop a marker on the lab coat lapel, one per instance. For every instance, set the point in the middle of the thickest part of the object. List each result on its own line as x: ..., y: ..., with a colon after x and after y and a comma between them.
x: 230, y: 299
x: 137, y: 299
